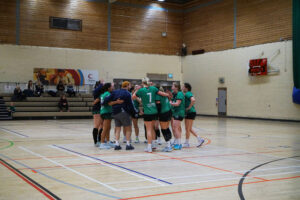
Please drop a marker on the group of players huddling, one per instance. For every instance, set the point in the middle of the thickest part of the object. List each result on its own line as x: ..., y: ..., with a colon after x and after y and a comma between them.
x: 149, y: 101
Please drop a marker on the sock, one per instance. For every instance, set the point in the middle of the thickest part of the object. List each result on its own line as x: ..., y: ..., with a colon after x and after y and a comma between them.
x: 99, y: 134
x: 157, y: 133
x: 178, y: 141
x: 169, y: 144
x: 149, y: 146
x: 95, y: 133
x: 128, y: 143
x: 145, y: 132
x: 186, y: 141
x: 117, y: 143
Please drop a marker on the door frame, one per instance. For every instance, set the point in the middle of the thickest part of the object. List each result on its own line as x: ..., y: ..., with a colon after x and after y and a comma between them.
x: 219, y: 113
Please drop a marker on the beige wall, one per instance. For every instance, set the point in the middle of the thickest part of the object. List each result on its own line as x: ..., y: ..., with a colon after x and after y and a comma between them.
x: 262, y: 97
x: 17, y: 62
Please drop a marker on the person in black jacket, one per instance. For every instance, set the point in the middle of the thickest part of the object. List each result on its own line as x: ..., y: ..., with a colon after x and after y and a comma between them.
x: 63, y: 104
x: 122, y: 110
x: 60, y: 89
x: 18, y: 95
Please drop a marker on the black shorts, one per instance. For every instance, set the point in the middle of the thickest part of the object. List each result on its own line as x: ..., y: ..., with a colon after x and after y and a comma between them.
x: 96, y: 109
x: 165, y: 117
x: 191, y: 115
x: 179, y: 118
x: 149, y: 118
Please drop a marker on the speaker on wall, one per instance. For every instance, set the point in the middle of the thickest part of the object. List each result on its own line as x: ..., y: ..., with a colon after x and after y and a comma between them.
x: 200, y: 51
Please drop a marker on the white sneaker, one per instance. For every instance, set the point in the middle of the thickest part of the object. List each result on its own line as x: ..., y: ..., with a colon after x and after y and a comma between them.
x: 97, y: 144
x: 137, y: 140
x: 148, y: 149
x: 154, y: 144
x: 185, y: 145
x: 104, y: 146
x: 159, y: 141
x: 200, y: 142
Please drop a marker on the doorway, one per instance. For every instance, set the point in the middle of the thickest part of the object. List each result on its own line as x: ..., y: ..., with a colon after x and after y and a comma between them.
x: 222, y: 101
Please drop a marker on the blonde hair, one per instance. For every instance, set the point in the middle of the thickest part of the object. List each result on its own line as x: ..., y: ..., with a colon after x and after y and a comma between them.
x: 146, y: 81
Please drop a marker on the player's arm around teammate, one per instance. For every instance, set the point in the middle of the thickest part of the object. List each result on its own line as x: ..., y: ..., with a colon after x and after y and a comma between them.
x: 148, y: 95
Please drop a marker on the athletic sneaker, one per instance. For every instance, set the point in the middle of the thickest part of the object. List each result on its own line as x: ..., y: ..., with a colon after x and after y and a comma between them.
x: 154, y: 145
x: 97, y: 144
x: 200, y: 142
x: 186, y: 145
x: 137, y: 140
x: 177, y: 147
x: 149, y: 150
x: 167, y: 149
x: 118, y: 147
x: 159, y: 141
x: 104, y: 146
x: 129, y: 147
x: 111, y: 144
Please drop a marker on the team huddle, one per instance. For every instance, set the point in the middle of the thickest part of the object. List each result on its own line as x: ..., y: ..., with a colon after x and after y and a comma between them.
x: 156, y: 106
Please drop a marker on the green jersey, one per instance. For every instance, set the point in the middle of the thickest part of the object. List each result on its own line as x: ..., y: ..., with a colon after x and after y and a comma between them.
x: 148, y: 96
x: 105, y: 108
x: 164, y: 103
x: 178, y: 110
x: 188, y: 97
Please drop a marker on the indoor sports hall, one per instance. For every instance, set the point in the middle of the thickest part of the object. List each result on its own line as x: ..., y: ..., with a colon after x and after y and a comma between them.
x: 150, y: 99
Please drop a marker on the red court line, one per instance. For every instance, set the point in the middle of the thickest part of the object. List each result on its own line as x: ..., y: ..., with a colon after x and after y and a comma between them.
x: 208, y: 188
x: 204, y: 165
x: 27, y: 181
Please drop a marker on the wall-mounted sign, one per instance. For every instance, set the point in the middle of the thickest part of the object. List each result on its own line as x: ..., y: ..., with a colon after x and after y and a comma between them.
x: 52, y: 76
x: 258, y: 67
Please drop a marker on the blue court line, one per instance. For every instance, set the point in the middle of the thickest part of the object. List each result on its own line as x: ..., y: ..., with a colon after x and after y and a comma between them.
x: 57, y: 180
x: 14, y: 132
x: 140, y: 173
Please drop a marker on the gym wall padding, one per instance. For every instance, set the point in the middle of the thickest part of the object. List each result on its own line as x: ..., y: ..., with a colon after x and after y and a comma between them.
x: 296, y: 50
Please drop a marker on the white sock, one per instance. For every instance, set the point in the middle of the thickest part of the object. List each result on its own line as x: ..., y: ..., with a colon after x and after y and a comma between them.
x: 169, y: 144
x: 187, y: 141
x: 128, y: 143
x: 149, y: 146
x: 178, y: 141
x: 117, y: 143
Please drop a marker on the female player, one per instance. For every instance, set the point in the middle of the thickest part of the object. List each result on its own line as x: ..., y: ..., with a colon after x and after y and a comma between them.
x: 164, y: 116
x: 148, y: 95
x: 96, y: 114
x: 106, y: 115
x: 178, y: 113
x: 190, y: 115
x: 135, y: 119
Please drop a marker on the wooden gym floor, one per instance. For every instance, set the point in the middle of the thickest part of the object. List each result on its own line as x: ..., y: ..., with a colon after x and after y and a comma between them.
x: 55, y: 159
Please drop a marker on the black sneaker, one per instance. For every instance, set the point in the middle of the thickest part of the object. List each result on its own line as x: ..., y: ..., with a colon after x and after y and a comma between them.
x: 129, y: 147
x: 118, y: 147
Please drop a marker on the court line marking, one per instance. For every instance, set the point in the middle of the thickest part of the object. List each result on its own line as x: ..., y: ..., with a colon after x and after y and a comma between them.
x: 72, y: 170
x: 30, y: 181
x: 114, y: 166
x: 60, y: 181
x: 14, y: 133
x: 11, y: 143
x: 130, y: 161
x: 204, y: 165
x: 204, y: 181
x: 208, y: 188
